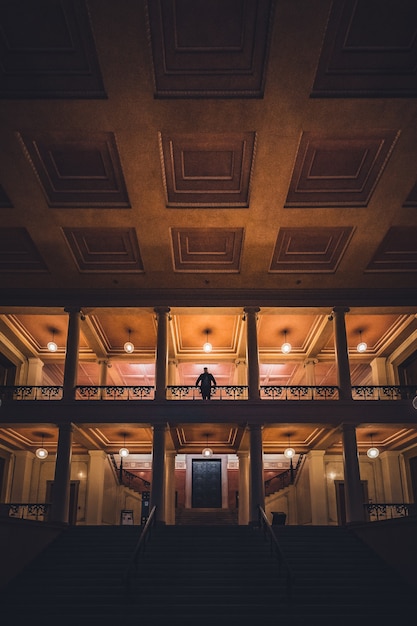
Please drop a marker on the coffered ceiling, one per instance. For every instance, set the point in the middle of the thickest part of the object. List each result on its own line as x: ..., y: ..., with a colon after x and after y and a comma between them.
x: 208, y: 156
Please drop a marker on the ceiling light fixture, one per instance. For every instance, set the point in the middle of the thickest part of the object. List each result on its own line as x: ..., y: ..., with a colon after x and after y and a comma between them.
x: 129, y: 347
x: 41, y: 452
x: 289, y: 452
x: 372, y: 452
x: 124, y: 452
x: 286, y: 346
x: 207, y: 452
x: 207, y: 347
x: 51, y: 345
x: 362, y: 345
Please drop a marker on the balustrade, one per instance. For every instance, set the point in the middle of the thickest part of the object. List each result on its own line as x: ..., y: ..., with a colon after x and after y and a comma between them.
x: 221, y: 392
x: 31, y: 511
x: 377, y: 511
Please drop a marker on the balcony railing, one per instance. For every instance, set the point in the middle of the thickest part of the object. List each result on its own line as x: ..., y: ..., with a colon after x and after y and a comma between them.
x: 30, y: 511
x: 377, y: 511
x: 299, y: 392
x: 221, y: 392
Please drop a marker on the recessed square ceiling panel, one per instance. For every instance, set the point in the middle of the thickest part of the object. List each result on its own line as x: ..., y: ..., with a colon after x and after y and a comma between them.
x: 339, y: 171
x: 209, y: 49
x: 397, y: 252
x: 369, y: 50
x: 18, y: 252
x: 78, y: 169
x: 207, y: 249
x: 207, y: 170
x: 309, y: 250
x: 104, y: 249
x: 47, y: 50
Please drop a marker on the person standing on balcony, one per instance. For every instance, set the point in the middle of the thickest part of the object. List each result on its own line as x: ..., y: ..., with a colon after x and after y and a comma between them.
x: 205, y: 382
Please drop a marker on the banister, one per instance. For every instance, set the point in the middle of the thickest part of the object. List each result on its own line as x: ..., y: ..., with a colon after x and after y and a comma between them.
x: 276, y: 549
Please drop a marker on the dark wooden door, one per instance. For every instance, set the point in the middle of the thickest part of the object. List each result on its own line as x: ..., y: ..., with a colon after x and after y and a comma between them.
x: 207, y: 484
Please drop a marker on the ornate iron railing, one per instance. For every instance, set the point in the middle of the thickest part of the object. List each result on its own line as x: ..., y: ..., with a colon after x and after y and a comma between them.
x: 115, y: 392
x: 377, y: 511
x: 299, y: 392
x: 221, y: 392
x: 384, y: 392
x: 31, y: 511
x: 32, y: 392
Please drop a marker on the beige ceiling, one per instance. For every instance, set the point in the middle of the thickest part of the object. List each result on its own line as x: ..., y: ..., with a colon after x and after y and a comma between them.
x: 207, y: 157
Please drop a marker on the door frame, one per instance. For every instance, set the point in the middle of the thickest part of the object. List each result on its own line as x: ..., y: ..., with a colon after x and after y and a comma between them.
x: 189, y: 477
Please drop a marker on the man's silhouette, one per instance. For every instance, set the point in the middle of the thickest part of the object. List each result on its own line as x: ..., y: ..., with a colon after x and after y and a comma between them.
x: 205, y: 381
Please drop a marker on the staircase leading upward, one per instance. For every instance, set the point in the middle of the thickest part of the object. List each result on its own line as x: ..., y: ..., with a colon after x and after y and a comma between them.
x: 222, y: 575
x: 206, y: 517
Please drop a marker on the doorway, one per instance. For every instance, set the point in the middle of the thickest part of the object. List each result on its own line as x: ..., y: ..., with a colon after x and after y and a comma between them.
x: 73, y: 499
x: 206, y: 484
x: 341, y: 502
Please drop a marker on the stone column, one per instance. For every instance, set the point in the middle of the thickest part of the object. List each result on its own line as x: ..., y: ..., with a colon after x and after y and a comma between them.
x: 34, y: 372
x: 170, y: 487
x: 243, y: 512
x: 391, y: 477
x: 319, y: 513
x: 353, y: 488
x: 342, y: 355
x: 257, y: 488
x: 309, y: 366
x: 161, y: 365
x: 95, y: 487
x: 158, y: 472
x: 252, y: 351
x: 61, y: 491
x: 173, y: 375
x: 104, y: 366
x: 240, y: 374
x: 22, y: 473
x: 71, y: 357
x: 379, y: 371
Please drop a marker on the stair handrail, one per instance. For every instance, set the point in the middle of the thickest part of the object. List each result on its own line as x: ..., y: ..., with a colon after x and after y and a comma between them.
x: 139, y: 549
x: 277, y: 551
x: 286, y: 477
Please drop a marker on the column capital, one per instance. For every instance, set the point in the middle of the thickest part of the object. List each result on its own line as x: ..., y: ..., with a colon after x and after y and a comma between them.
x: 72, y: 309
x: 341, y: 309
x: 162, y: 310
x: 251, y: 310
x: 310, y: 362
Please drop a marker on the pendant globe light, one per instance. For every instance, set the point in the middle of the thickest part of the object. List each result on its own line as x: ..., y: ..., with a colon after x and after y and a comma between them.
x: 362, y: 345
x: 286, y: 346
x: 372, y: 452
x: 41, y: 452
x: 207, y: 452
x: 207, y: 347
x: 289, y: 452
x: 129, y: 347
x: 51, y: 345
x: 124, y: 452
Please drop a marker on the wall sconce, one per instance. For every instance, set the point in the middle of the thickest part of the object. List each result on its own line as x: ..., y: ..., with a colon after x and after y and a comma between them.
x: 207, y: 452
x: 362, y: 345
x: 207, y: 347
x: 41, y: 452
x: 129, y: 347
x: 124, y: 452
x: 286, y: 346
x: 372, y: 452
x: 51, y: 345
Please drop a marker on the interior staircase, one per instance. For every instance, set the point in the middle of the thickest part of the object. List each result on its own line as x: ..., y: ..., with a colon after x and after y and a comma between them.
x: 206, y: 517
x: 217, y: 574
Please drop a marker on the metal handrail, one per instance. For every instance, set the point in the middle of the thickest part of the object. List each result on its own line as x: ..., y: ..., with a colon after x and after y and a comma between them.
x: 276, y: 550
x: 139, y: 549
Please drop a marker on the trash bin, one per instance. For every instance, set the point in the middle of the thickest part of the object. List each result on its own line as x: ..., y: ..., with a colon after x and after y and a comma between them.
x: 278, y: 518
